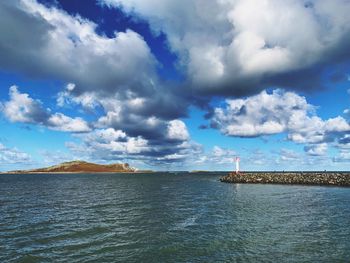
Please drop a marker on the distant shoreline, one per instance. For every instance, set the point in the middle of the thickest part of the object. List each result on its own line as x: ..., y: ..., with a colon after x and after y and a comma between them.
x: 292, y: 178
x: 88, y: 172
x: 81, y: 167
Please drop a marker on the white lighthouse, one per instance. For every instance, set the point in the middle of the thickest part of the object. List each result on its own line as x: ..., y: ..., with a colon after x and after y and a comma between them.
x: 237, y: 164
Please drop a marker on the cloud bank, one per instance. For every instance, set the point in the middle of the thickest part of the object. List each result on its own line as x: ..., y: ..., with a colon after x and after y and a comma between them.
x: 280, y: 112
x: 117, y: 75
x: 239, y: 47
x: 224, y: 48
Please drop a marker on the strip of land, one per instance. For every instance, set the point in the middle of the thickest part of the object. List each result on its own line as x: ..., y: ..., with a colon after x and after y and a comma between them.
x: 81, y: 167
x: 304, y: 178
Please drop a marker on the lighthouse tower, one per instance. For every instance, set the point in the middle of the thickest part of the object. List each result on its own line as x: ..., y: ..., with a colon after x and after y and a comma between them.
x: 237, y: 164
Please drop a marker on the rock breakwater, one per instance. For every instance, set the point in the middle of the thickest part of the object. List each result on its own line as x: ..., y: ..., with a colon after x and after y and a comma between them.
x: 306, y: 178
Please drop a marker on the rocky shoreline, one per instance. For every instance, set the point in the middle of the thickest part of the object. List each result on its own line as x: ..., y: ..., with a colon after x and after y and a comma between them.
x: 304, y: 178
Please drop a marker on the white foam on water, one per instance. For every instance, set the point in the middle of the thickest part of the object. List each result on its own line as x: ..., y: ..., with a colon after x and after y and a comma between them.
x: 190, y: 221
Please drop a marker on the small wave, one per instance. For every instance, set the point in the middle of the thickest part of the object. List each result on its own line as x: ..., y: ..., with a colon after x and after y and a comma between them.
x: 190, y: 221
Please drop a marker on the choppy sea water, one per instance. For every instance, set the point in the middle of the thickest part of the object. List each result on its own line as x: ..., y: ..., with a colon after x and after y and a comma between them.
x: 169, y: 218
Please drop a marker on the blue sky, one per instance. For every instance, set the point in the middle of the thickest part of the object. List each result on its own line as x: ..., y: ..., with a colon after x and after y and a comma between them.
x: 175, y: 85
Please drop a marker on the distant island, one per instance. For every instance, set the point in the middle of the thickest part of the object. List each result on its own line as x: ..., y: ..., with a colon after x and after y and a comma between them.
x: 81, y: 167
x: 304, y: 178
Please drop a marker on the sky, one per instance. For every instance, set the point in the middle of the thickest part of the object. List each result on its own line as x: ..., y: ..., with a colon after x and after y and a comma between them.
x: 175, y: 85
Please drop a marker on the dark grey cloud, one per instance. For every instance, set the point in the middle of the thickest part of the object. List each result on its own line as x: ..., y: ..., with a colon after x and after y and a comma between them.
x: 67, y: 48
x: 20, y: 47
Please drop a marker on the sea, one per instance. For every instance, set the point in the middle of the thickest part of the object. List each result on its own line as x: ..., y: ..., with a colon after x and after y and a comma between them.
x: 169, y: 217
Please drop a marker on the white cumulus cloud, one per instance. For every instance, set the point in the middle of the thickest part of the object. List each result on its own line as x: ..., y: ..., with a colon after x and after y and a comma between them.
x: 177, y: 130
x: 316, y: 149
x: 22, y: 108
x: 237, y: 46
x: 274, y: 113
x: 281, y: 112
x: 61, y: 122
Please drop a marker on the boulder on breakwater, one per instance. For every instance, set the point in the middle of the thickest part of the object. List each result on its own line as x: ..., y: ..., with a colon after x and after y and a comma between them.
x: 306, y: 178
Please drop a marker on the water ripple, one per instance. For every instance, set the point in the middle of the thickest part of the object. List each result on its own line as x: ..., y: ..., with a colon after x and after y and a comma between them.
x: 169, y: 218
